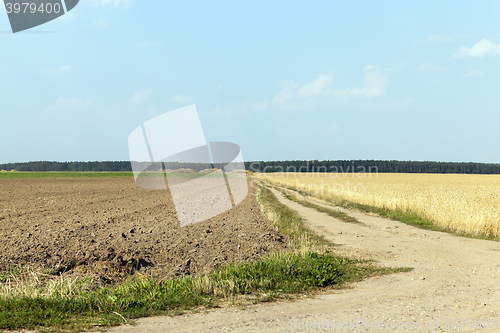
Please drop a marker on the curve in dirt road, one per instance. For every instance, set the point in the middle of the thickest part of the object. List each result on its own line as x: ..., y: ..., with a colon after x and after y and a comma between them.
x: 453, y: 287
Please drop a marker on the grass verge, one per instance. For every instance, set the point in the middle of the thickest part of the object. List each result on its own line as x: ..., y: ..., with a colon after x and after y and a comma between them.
x: 329, y: 211
x: 288, y: 222
x: 68, y: 306
x: 406, y: 217
x: 33, y: 298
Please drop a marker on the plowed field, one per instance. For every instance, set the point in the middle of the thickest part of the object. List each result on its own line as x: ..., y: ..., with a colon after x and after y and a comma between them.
x: 109, y: 228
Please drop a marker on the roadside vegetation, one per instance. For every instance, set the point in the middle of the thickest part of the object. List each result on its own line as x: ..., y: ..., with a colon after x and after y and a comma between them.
x: 329, y: 211
x: 407, y: 215
x: 34, y: 297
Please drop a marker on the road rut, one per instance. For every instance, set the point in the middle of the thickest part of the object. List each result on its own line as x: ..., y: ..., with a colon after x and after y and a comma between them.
x: 453, y: 278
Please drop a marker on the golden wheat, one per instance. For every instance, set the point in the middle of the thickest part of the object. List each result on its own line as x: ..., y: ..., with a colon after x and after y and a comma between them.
x: 463, y: 203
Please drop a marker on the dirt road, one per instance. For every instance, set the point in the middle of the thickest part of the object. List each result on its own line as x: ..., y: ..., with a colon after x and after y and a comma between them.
x: 453, y: 278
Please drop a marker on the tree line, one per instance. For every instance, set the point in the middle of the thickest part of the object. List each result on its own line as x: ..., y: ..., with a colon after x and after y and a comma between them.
x: 339, y: 166
x: 114, y: 166
x: 373, y: 166
x: 93, y: 166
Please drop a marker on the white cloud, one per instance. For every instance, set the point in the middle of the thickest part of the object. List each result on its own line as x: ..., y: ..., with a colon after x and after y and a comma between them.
x: 484, y: 48
x: 288, y: 93
x: 432, y: 68
x: 141, y: 95
x: 375, y: 83
x: 181, y: 99
x: 318, y: 87
x: 473, y: 73
x: 321, y: 92
x: 62, y: 69
x: 101, y: 23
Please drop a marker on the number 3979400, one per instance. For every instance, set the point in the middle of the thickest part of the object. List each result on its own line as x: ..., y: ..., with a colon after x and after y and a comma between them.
x: 32, y: 8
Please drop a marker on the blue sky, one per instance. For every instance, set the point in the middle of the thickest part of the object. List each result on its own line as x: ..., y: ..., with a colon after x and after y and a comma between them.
x: 283, y: 79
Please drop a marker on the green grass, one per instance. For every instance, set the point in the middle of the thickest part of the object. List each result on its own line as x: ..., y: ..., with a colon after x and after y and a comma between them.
x: 289, y: 223
x: 35, y: 299
x: 329, y: 211
x: 11, y: 272
x: 266, y: 280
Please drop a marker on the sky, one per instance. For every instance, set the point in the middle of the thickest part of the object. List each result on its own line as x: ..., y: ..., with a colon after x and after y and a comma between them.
x: 285, y: 80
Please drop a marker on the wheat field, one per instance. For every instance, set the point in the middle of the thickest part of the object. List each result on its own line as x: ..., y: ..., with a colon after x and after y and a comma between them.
x: 463, y: 203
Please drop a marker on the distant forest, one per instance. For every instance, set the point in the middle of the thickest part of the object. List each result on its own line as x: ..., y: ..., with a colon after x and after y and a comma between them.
x: 357, y: 166
x: 341, y: 166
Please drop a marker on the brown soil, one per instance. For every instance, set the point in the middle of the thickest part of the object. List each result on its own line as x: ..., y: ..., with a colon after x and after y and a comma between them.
x: 109, y: 228
x: 454, y: 279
